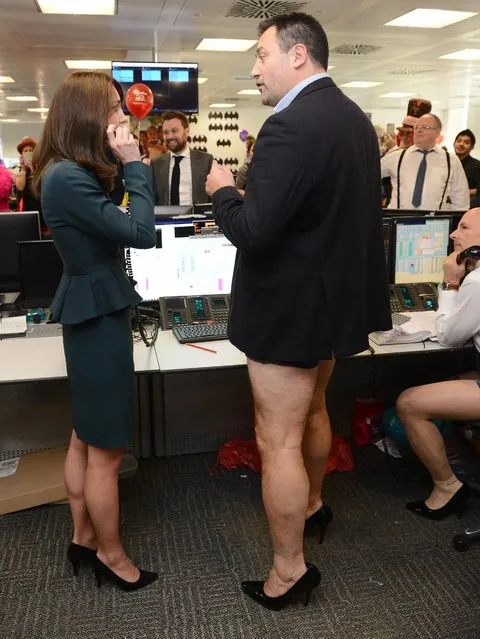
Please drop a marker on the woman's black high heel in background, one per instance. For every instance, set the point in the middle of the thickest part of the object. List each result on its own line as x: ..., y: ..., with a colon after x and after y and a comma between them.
x: 103, y: 572
x: 320, y: 519
x: 455, y: 505
x: 77, y: 554
x: 304, y: 586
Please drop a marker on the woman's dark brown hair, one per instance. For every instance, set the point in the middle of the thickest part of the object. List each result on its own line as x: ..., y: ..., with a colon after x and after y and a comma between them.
x: 76, y: 125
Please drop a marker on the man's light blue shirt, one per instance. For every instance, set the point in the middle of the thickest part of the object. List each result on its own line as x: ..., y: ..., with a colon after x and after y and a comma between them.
x: 292, y: 94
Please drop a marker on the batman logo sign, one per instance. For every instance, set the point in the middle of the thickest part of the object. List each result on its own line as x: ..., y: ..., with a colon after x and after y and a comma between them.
x: 231, y: 127
x: 231, y: 115
x: 215, y: 127
x: 224, y: 143
x: 215, y: 115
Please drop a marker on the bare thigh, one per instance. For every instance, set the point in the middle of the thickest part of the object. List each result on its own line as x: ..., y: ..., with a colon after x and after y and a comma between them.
x: 456, y: 399
x: 282, y: 397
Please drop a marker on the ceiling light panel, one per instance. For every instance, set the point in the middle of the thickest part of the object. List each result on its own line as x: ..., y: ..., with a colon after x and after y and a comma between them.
x: 464, y: 54
x: 222, y: 105
x: 78, y: 7
x: 360, y: 85
x: 38, y: 110
x: 202, y: 80
x: 225, y: 44
x: 396, y: 94
x: 88, y: 64
x: 22, y: 98
x: 248, y: 92
x: 430, y: 18
x: 6, y: 79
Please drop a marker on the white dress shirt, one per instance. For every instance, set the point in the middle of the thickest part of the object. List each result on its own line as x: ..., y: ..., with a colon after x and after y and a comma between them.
x: 185, y: 188
x: 292, y: 94
x: 458, y: 319
x: 435, y: 178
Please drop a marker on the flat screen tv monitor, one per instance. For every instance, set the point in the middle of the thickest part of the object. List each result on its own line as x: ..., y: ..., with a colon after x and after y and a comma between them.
x: 420, y: 247
x: 184, y: 262
x: 14, y: 228
x: 174, y: 84
x: 387, y: 244
x: 41, y: 269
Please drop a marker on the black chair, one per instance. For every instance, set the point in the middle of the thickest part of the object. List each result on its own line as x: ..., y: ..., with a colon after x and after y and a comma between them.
x: 462, y: 542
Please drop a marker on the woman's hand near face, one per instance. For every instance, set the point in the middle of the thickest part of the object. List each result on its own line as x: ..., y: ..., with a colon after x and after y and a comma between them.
x: 123, y: 144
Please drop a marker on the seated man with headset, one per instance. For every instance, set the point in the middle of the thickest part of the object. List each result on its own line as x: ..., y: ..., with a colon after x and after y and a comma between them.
x: 457, y: 321
x: 426, y: 176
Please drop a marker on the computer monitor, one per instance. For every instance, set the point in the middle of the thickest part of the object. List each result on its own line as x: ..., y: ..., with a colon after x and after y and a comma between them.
x: 172, y: 212
x: 41, y: 269
x: 188, y: 263
x: 203, y: 209
x: 15, y: 227
x: 410, y: 212
x: 387, y: 240
x: 420, y: 246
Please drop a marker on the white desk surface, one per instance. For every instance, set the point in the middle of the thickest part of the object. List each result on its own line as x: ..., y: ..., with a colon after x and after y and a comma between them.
x: 175, y: 357
x: 40, y: 358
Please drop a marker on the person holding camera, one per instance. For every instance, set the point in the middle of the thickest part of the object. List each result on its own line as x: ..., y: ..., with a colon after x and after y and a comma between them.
x: 456, y: 322
x: 27, y: 201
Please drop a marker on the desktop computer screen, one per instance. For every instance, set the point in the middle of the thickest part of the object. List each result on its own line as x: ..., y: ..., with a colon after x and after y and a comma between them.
x: 41, y: 269
x: 187, y: 263
x: 420, y: 247
x: 14, y: 227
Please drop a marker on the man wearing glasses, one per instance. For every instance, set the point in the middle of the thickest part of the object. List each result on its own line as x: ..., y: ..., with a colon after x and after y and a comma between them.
x: 426, y: 176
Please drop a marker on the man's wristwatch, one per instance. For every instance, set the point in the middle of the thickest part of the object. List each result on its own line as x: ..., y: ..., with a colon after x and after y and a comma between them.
x: 446, y: 286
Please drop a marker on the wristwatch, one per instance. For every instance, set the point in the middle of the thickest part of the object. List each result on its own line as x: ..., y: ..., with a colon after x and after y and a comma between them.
x: 446, y: 286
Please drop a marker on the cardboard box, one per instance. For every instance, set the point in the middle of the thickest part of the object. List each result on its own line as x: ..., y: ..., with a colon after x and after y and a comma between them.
x: 38, y: 480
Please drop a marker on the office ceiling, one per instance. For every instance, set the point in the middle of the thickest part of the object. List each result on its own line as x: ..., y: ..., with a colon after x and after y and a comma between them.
x: 33, y: 47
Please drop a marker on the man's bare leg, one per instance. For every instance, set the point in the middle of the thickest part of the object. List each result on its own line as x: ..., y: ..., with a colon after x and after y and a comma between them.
x: 458, y: 400
x: 317, y: 439
x: 282, y: 397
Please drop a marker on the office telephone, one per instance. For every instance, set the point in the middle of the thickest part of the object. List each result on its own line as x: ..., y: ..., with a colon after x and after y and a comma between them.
x: 420, y: 296
x: 194, y: 309
x: 470, y: 256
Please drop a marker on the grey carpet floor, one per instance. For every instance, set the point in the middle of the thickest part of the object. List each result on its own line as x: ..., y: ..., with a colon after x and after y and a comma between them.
x: 386, y: 574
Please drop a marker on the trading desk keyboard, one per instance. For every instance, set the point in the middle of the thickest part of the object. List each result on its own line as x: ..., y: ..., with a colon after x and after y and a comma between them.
x: 200, y: 332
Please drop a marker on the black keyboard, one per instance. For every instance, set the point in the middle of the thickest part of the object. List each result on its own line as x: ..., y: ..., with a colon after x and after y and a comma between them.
x: 200, y: 332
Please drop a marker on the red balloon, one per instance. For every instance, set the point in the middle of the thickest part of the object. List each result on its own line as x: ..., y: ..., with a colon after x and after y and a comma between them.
x: 139, y: 100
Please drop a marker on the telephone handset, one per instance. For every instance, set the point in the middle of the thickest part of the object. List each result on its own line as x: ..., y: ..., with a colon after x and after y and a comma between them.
x: 470, y: 256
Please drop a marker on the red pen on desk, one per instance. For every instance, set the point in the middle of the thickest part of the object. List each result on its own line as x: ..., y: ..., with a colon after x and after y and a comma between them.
x: 202, y: 348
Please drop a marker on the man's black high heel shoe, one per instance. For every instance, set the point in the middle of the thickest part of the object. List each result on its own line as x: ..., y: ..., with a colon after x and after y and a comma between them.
x: 103, y: 572
x: 304, y: 586
x: 456, y: 504
x: 320, y: 519
x: 76, y: 554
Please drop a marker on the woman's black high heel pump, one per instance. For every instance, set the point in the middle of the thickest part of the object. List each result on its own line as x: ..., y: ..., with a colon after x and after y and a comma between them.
x: 77, y: 554
x: 456, y: 505
x: 103, y: 572
x: 320, y: 519
x: 304, y: 586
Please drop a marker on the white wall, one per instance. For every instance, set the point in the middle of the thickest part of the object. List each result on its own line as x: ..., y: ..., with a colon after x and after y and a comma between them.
x: 12, y: 133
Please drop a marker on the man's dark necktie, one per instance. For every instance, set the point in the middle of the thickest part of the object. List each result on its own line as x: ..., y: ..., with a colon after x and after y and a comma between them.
x: 422, y: 170
x: 175, y: 185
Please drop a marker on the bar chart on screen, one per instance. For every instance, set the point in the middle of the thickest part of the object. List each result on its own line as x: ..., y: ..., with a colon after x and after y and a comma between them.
x: 197, y: 265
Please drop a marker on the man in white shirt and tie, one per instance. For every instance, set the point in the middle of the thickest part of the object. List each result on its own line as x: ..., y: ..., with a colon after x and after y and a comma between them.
x: 179, y: 176
x: 425, y: 176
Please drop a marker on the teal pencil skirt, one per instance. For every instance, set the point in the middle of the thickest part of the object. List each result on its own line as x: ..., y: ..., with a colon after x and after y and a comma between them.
x: 99, y: 357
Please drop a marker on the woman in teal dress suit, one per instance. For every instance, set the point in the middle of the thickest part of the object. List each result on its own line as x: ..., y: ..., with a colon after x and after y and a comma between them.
x: 74, y: 170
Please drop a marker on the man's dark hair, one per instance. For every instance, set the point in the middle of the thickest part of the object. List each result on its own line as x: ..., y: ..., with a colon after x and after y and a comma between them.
x: 171, y: 115
x: 467, y: 133
x: 299, y: 28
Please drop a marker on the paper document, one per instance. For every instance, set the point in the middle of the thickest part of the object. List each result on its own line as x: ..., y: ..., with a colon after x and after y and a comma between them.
x: 13, y: 325
x: 9, y: 467
x: 420, y: 328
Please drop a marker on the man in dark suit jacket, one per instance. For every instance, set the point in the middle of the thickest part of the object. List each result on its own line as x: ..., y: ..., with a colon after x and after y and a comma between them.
x: 193, y: 168
x: 310, y: 279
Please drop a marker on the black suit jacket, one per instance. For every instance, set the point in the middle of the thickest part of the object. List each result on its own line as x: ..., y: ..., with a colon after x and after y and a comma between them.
x: 310, y: 277
x: 201, y: 164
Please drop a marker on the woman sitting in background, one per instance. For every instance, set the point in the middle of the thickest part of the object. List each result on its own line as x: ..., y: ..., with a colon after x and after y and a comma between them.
x: 241, y: 179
